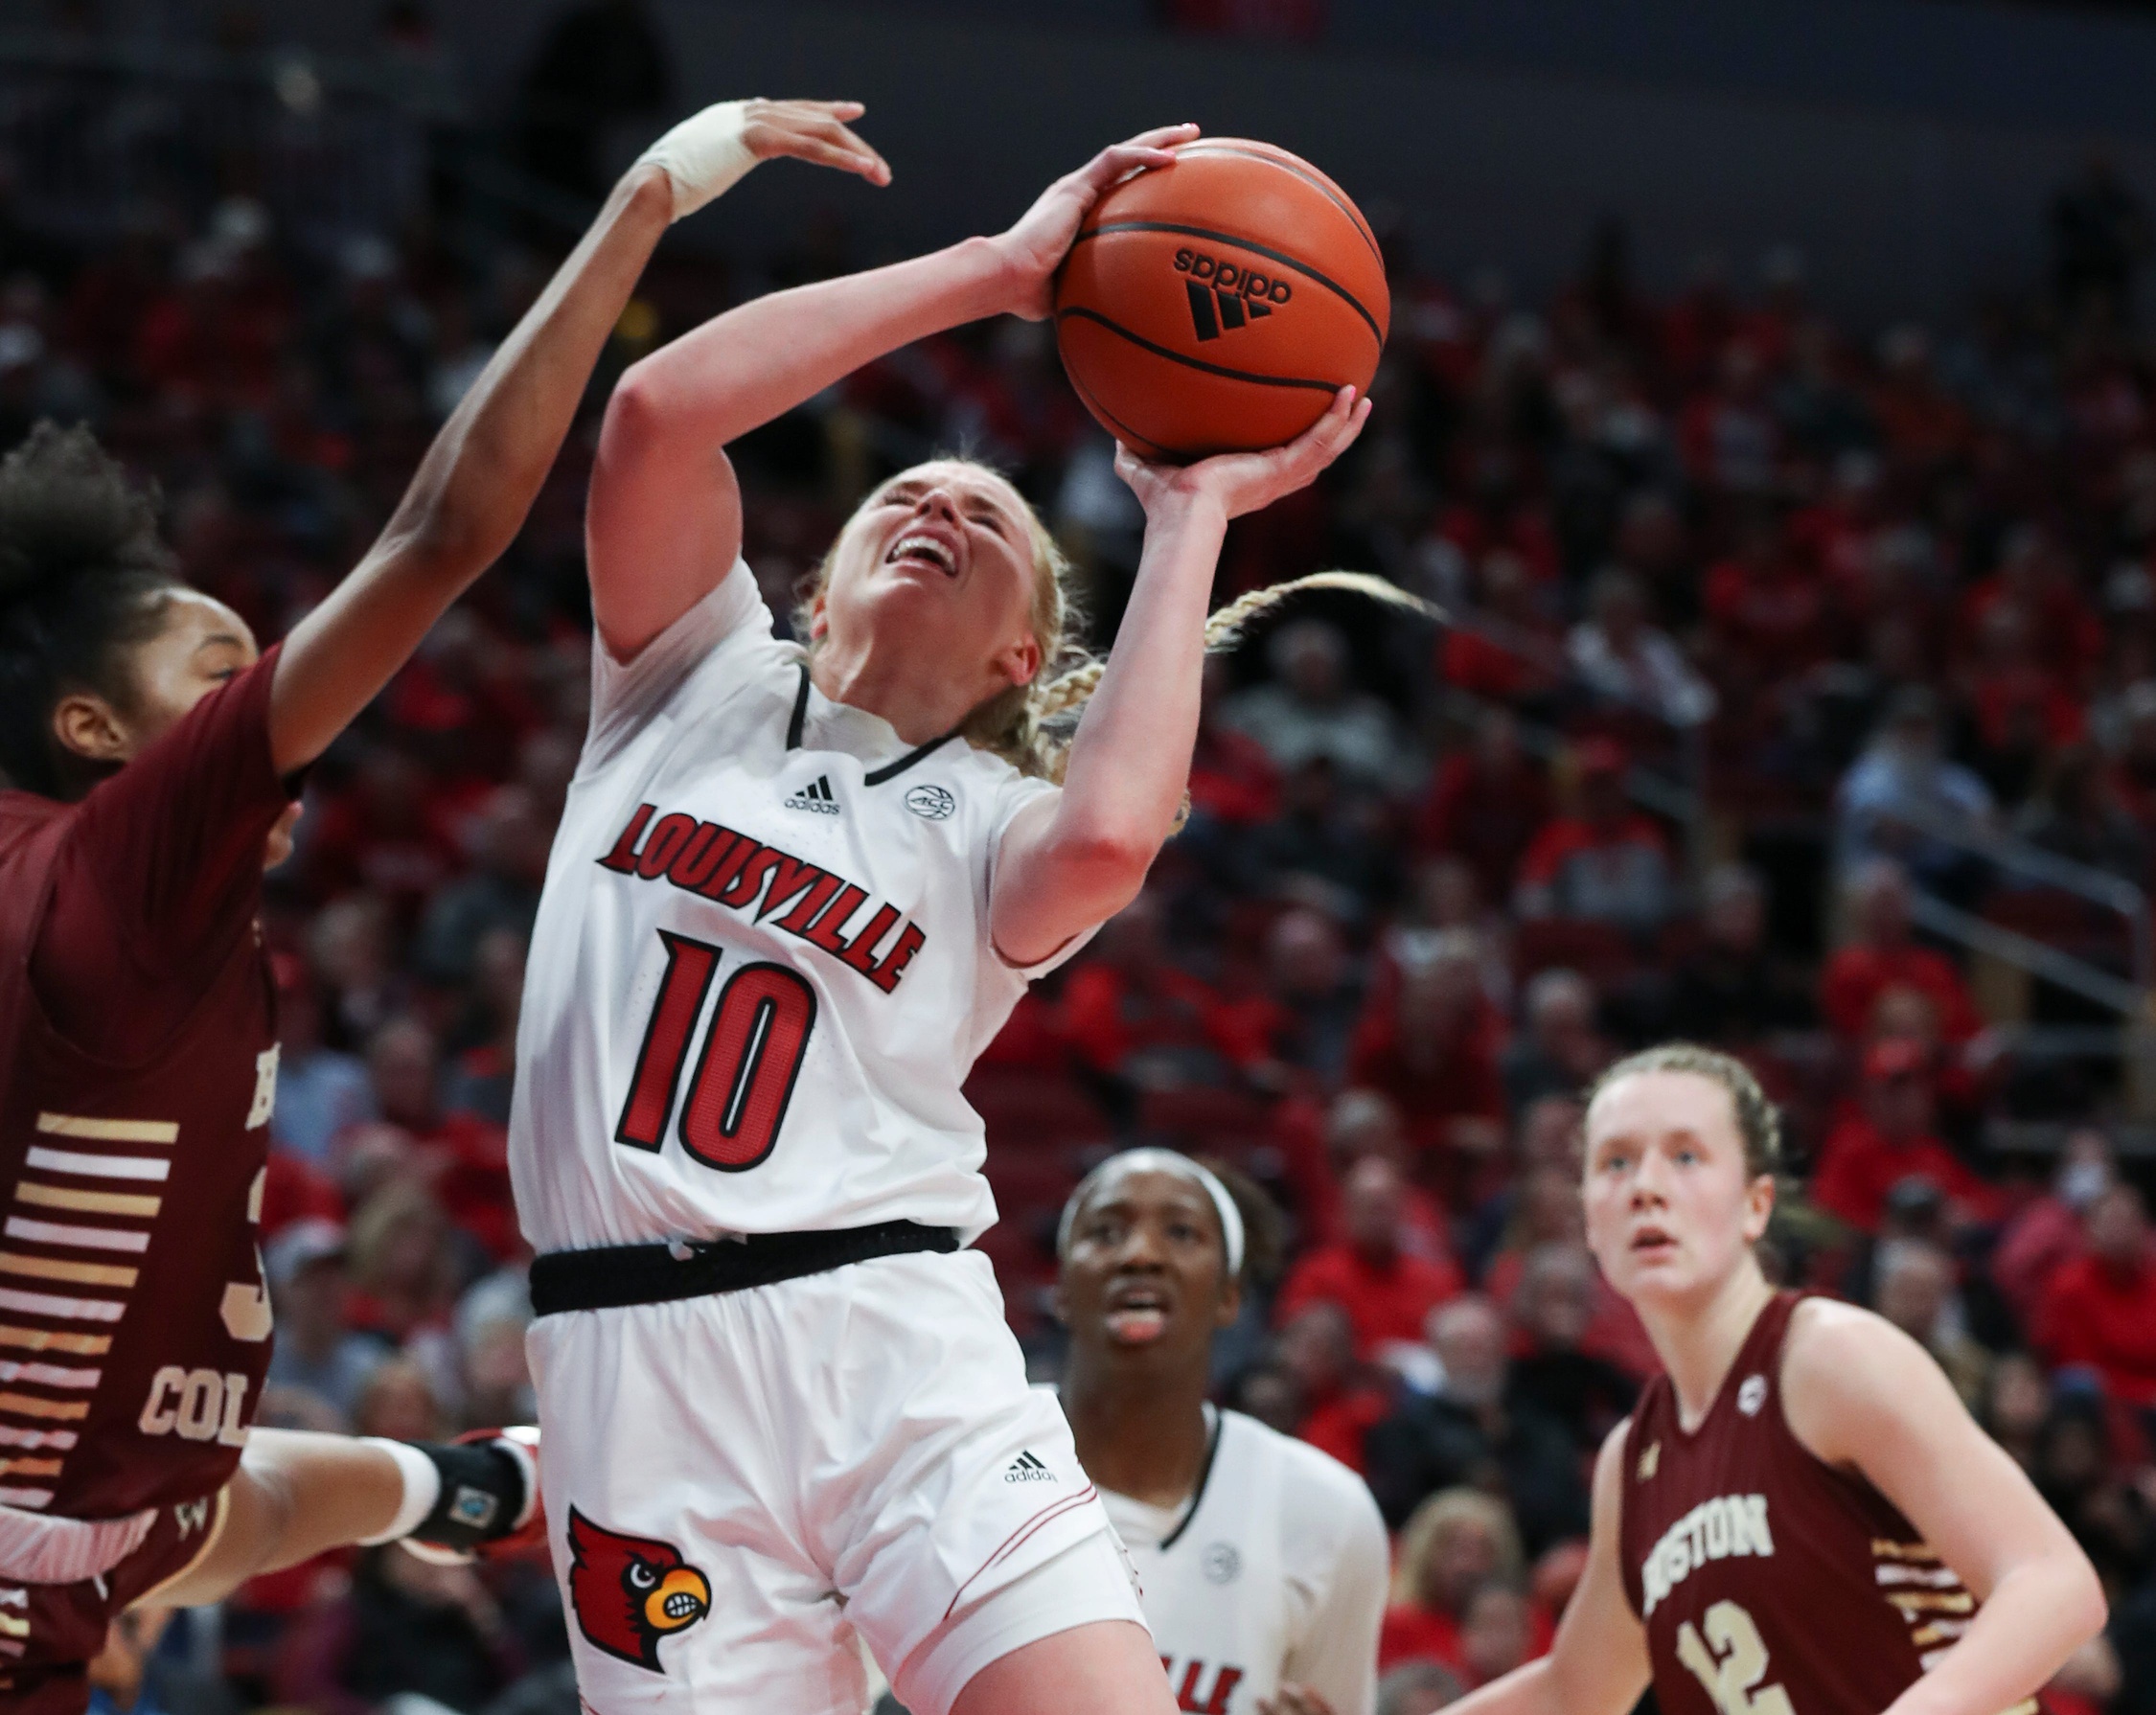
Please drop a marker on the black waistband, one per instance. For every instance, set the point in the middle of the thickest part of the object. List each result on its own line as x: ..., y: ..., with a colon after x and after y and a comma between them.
x: 617, y: 1274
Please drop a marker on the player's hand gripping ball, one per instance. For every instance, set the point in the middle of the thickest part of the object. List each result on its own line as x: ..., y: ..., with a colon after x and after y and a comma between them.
x: 1217, y: 305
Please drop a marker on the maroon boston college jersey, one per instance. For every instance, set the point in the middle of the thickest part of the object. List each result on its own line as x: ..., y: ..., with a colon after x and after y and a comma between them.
x: 1769, y: 1581
x: 135, y: 1327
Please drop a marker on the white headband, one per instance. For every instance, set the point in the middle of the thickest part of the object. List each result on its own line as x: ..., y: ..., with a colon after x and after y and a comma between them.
x: 1153, y: 1159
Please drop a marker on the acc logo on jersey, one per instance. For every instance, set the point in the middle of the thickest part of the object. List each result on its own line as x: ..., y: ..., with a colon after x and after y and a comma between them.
x: 930, y: 802
x: 631, y: 1592
x: 1752, y: 1395
x: 1222, y: 1563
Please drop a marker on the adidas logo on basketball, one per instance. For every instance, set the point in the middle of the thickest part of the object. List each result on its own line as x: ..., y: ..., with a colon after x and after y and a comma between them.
x: 1237, y: 296
x: 815, y: 797
x: 1027, y: 1469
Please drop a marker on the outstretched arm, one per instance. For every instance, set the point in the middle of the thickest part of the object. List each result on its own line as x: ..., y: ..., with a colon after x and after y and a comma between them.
x: 478, y: 479
x: 1078, y: 856
x: 664, y: 520
x: 1861, y: 1394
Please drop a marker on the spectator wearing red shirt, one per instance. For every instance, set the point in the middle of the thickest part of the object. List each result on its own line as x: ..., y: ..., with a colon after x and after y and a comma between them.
x: 1455, y: 1542
x: 1888, y: 1140
x: 2045, y: 1234
x: 1485, y: 804
x: 2014, y: 692
x: 1372, y: 1273
x: 2100, y: 1310
x: 1882, y: 956
x: 1359, y: 1123
x: 1521, y: 657
x: 1607, y: 863
x: 2036, y: 576
x: 1924, y: 424
x: 1130, y: 1013
x: 384, y: 832
x: 1339, y: 1399
x: 1232, y: 780
x: 1766, y: 611
x: 1497, y: 514
x: 463, y: 1158
x: 1837, y: 534
x: 1431, y: 1044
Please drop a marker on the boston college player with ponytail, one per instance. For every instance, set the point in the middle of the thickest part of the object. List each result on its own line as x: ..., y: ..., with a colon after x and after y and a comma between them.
x: 153, y: 748
x: 1799, y: 1519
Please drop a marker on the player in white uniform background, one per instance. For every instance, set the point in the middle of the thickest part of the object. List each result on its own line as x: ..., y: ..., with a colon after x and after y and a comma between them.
x: 1262, y: 1560
x: 793, y: 893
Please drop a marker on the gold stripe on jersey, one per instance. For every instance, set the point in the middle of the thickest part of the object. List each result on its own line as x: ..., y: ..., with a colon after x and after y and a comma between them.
x: 1913, y: 1601
x: 49, y: 1340
x: 1884, y: 1549
x: 29, y: 1468
x: 87, y: 1202
x: 109, y: 1131
x: 23, y: 1404
x: 1938, y: 1631
x: 40, y: 1268
x: 2027, y: 1706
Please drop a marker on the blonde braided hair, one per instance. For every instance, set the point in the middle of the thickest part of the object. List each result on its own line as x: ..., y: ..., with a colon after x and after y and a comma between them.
x: 1031, y: 725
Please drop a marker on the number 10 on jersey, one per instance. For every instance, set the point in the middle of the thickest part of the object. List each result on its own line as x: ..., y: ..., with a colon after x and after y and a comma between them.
x: 745, y: 1072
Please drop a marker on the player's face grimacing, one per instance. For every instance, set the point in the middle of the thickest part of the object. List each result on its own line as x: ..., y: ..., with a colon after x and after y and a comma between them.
x: 1670, y: 1208
x: 948, y: 546
x: 1147, y: 1268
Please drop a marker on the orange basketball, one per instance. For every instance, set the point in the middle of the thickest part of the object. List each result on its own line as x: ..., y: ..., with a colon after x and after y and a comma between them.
x: 1217, y: 306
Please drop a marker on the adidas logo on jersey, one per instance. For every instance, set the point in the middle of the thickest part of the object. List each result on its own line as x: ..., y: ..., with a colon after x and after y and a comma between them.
x: 815, y: 797
x: 1027, y: 1469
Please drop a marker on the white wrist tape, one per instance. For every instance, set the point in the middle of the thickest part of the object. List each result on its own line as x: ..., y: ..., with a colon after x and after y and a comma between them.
x: 704, y: 155
x: 423, y: 1487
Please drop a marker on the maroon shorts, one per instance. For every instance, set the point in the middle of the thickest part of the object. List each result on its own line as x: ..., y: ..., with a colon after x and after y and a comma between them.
x: 49, y: 1633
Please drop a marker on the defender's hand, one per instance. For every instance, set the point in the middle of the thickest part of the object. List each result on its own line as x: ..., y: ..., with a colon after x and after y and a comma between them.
x: 1034, y: 248
x: 708, y: 153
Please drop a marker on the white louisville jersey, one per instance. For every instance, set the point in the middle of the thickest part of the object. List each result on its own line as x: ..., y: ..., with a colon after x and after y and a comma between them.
x: 1275, y: 1572
x: 762, y: 967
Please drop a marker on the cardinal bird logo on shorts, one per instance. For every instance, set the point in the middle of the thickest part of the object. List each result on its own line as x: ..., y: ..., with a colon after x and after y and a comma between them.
x: 631, y: 1592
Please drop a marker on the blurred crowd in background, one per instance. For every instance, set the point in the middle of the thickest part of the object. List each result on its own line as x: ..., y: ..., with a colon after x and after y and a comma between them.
x: 1771, y: 628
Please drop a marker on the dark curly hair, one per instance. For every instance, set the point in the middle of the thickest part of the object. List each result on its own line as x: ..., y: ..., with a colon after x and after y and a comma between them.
x: 1759, y: 1121
x: 81, y: 578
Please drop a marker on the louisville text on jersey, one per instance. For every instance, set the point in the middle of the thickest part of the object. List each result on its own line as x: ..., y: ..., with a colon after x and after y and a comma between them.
x: 1193, y: 1695
x: 718, y: 863
x: 1713, y: 1530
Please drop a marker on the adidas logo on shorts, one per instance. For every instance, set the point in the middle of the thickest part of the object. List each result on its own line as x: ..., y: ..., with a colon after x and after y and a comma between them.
x: 815, y: 797
x: 1027, y: 1469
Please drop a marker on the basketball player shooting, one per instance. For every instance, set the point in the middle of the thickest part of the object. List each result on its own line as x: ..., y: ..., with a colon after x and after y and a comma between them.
x: 154, y: 749
x: 798, y: 888
x: 1261, y: 1561
x: 1800, y: 1516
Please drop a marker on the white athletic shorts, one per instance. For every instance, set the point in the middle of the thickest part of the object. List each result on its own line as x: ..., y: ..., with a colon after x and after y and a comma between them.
x: 738, y: 1486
